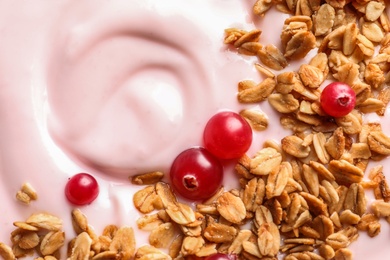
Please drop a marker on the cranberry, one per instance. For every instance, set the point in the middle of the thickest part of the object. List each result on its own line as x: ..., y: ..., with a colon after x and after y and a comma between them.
x: 81, y: 189
x: 220, y: 256
x: 196, y: 174
x: 338, y: 99
x: 227, y: 135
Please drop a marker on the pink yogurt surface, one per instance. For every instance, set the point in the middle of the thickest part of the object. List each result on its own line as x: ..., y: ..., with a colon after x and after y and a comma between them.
x: 115, y: 88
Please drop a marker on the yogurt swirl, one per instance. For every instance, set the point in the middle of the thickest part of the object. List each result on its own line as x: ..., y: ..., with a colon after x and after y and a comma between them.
x: 126, y: 92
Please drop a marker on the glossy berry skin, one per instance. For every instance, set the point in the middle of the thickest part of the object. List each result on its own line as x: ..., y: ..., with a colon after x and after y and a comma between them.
x: 220, y: 256
x: 338, y: 99
x: 196, y: 174
x: 81, y: 189
x: 227, y: 135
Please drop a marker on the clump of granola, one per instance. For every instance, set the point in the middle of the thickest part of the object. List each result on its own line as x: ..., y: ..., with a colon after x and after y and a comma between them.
x: 26, y: 194
x: 41, y: 232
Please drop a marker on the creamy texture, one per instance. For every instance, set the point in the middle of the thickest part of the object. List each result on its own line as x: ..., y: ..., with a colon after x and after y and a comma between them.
x: 124, y: 87
x: 115, y: 88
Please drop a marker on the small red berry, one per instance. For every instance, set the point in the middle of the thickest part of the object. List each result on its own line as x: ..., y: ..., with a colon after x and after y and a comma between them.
x: 227, y: 135
x: 196, y: 174
x: 338, y: 99
x: 81, y: 189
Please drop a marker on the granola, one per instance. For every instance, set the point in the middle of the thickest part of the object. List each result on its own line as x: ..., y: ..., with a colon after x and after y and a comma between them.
x: 309, y: 189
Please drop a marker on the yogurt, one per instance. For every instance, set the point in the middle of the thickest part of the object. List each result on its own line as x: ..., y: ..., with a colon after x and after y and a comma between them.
x: 115, y: 88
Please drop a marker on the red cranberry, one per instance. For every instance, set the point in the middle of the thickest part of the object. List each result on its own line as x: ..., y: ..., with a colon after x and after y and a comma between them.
x: 81, y: 189
x: 227, y: 135
x: 338, y: 99
x: 196, y: 174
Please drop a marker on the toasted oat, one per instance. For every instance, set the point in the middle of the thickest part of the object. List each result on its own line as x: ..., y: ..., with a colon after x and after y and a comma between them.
x: 319, y: 144
x: 381, y: 208
x: 257, y: 119
x: 384, y: 96
x: 360, y: 151
x: 6, y: 252
x: 347, y: 217
x: 370, y: 223
x: 253, y: 194
x: 51, y: 242
x: 28, y: 240
x: 350, y: 39
x: 286, y: 82
x: 231, y: 207
x: 250, y: 48
x: 365, y: 45
x: 256, y: 93
x: 311, y: 76
x: 237, y: 245
x: 238, y: 37
x: 379, y: 142
x: 268, y: 239
x: 326, y: 251
x: 192, y: 245
x: 371, y: 105
x: 252, y: 36
x: 23, y: 197
x: 355, y: 199
x: 220, y: 233
x: 262, y: 6
x: 252, y: 249
x: 145, y: 199
x: 272, y: 57
x: 373, y: 75
x: 265, y: 71
x: 45, y: 221
x: 297, y: 38
x: 181, y: 213
x: 79, y: 221
x: 337, y: 240
x: 372, y: 31
x: 265, y: 161
x: 290, y: 122
x: 311, y: 179
x: 345, y: 172
x: 81, y: 248
x: 373, y: 10
x: 149, y: 252
x: 343, y: 254
x: 293, y: 145
x: 315, y: 204
x: 283, y: 103
x: 163, y: 235
x: 26, y: 193
x: 277, y: 180
x: 147, y: 178
x: 105, y: 255
x: 324, y: 20
x: 124, y: 243
x: 149, y: 222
